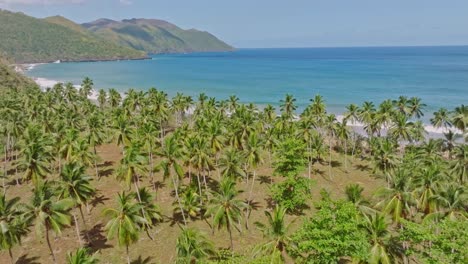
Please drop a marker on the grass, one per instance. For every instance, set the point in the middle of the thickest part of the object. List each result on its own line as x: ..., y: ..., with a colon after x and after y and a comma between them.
x: 162, y: 249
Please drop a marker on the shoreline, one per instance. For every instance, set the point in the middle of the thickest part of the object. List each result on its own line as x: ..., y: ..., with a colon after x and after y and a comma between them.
x: 432, y: 132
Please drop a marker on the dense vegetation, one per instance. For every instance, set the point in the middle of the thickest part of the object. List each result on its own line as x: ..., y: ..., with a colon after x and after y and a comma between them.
x: 156, y: 36
x: 9, y: 78
x: 209, y: 162
x: 28, y: 40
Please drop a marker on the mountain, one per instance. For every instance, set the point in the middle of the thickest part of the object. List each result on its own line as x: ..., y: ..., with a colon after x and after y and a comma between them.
x: 156, y: 36
x: 10, y: 79
x: 28, y: 40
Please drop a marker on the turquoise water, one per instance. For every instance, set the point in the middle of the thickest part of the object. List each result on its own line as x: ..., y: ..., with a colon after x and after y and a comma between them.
x: 439, y: 75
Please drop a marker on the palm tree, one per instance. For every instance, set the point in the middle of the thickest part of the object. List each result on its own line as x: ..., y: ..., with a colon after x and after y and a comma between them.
x: 36, y: 154
x: 132, y: 164
x: 12, y: 225
x: 149, y: 210
x: 48, y: 213
x: 253, y: 153
x: 125, y: 221
x: 226, y: 209
x: 288, y: 106
x: 460, y: 119
x: 95, y: 135
x: 81, y: 256
x: 451, y: 201
x: 114, y: 98
x: 330, y: 127
x: 416, y: 107
x: 170, y: 152
x: 102, y: 98
x: 441, y: 119
x: 459, y: 165
x: 426, y: 183
x: 86, y: 87
x: 276, y: 232
x: 76, y: 185
x: 397, y: 197
x: 192, y: 245
x: 384, y: 249
x: 191, y: 202
x: 231, y: 164
x: 354, y: 194
x: 384, y: 155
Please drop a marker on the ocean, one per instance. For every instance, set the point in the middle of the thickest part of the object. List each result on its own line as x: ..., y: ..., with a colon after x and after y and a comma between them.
x: 438, y: 75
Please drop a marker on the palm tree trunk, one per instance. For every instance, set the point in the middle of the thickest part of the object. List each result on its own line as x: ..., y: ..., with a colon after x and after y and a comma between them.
x: 199, y: 187
x: 49, y: 245
x: 84, y: 223
x: 128, y: 254
x: 11, y: 256
x: 329, y: 158
x: 178, y: 199
x: 346, y: 153
x: 152, y: 170
x: 95, y: 162
x: 77, y: 229
x: 230, y: 237
x: 251, y: 187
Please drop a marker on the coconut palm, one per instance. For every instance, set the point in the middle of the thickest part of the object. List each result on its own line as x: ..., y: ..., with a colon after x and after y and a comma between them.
x: 225, y: 208
x: 81, y: 256
x: 396, y: 199
x: 35, y: 155
x: 192, y: 246
x: 230, y: 164
x: 170, y: 153
x: 459, y: 164
x: 416, y: 107
x: 191, y: 202
x: 288, y: 106
x: 125, y: 221
x: 354, y: 194
x: 12, y: 225
x: 253, y: 154
x: 426, y: 183
x: 451, y: 201
x: 76, y: 185
x: 47, y: 212
x: 102, y: 98
x: 441, y: 118
x: 149, y: 210
x: 385, y: 249
x: 277, y: 233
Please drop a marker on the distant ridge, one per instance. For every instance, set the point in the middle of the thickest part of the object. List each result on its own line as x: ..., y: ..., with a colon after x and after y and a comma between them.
x: 155, y: 36
x: 27, y: 39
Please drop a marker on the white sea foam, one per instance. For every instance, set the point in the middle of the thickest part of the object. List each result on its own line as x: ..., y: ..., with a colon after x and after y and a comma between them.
x: 47, y: 83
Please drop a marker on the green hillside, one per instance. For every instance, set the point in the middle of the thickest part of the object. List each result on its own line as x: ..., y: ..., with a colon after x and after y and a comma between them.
x: 9, y: 78
x: 27, y: 40
x: 156, y: 36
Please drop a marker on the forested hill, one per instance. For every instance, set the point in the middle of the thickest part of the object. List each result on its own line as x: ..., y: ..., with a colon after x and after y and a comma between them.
x: 27, y: 39
x: 11, y: 79
x: 156, y: 36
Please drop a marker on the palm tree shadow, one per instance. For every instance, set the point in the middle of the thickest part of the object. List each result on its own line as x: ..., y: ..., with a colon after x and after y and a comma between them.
x: 98, y: 240
x: 140, y: 260
x: 106, y: 173
x: 159, y: 185
x: 98, y: 200
x: 362, y: 167
x: 335, y: 163
x: 270, y: 203
x: 105, y: 164
x: 212, y: 184
x: 176, y: 219
x: 253, y: 205
x: 24, y: 259
x: 264, y: 179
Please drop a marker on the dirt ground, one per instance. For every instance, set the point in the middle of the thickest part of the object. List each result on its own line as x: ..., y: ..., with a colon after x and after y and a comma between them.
x: 162, y: 249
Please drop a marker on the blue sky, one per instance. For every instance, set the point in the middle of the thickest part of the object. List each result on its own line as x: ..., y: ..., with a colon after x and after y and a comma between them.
x: 286, y: 23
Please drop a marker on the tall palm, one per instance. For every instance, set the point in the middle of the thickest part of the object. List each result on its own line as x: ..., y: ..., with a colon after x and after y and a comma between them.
x: 253, y: 153
x: 451, y: 201
x: 459, y: 164
x: 95, y: 135
x: 231, y: 164
x: 276, y: 231
x: 102, y: 98
x: 288, y: 106
x: 12, y: 225
x: 192, y: 246
x: 460, y: 119
x: 426, y: 183
x: 396, y: 199
x: 416, y: 107
x: 384, y: 248
x: 76, y: 184
x: 36, y: 154
x: 132, y: 165
x: 48, y: 212
x: 170, y: 154
x: 192, y: 202
x: 354, y: 194
x: 81, y: 256
x: 125, y: 221
x: 225, y: 208
x: 149, y: 210
x: 441, y: 119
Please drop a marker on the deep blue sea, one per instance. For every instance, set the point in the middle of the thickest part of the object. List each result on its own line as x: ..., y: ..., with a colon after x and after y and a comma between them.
x: 439, y: 75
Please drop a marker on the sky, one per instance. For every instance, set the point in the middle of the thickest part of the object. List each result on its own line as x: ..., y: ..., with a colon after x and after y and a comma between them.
x: 286, y: 23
